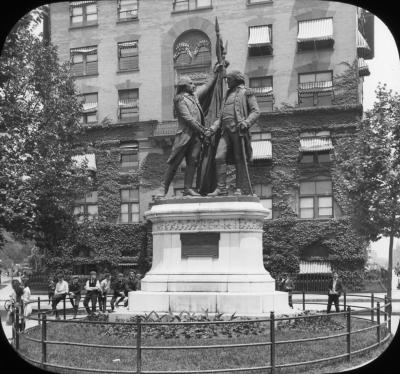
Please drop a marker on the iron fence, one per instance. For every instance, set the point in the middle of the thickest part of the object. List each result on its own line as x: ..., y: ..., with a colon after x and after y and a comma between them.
x: 380, y: 307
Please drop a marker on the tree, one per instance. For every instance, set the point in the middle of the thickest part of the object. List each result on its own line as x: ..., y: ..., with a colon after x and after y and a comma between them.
x: 38, y: 125
x: 369, y: 168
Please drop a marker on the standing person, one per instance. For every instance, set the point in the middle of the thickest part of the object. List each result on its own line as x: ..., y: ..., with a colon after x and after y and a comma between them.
x: 27, y: 306
x: 92, y: 288
x: 132, y: 284
x: 75, y: 293
x: 118, y: 291
x: 239, y: 112
x: 105, y: 285
x: 288, y: 286
x: 191, y: 129
x: 60, y: 292
x: 335, y: 290
x: 51, y: 288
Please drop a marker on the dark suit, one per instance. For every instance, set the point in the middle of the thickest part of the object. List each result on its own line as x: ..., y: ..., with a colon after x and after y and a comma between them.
x: 334, y: 297
x: 187, y: 142
x: 229, y: 150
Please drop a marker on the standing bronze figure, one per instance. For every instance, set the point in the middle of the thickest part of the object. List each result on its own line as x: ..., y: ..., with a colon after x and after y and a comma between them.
x: 191, y: 131
x: 239, y: 112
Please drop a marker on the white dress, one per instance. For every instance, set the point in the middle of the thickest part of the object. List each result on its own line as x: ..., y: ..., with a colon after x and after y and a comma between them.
x: 26, y: 297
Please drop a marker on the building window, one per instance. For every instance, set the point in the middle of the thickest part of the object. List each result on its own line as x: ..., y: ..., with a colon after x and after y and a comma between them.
x: 129, y: 156
x: 89, y: 113
x: 316, y: 199
x: 129, y: 206
x: 315, y: 147
x: 260, y: 40
x: 192, y: 56
x: 264, y: 193
x: 315, y: 34
x: 128, y: 56
x: 128, y: 104
x: 86, y: 207
x: 262, y: 87
x: 315, y: 89
x: 84, y: 61
x: 128, y: 9
x: 83, y: 13
x: 185, y: 5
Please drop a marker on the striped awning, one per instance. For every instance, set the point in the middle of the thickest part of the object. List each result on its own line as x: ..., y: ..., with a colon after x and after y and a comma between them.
x: 259, y: 36
x: 320, y: 86
x: 315, y: 144
x: 363, y: 69
x: 262, y: 149
x: 89, y: 107
x: 262, y: 91
x: 90, y: 158
x: 165, y: 129
x: 88, y: 50
x: 80, y: 3
x: 362, y: 44
x: 312, y: 267
x: 128, y: 44
x: 316, y: 29
x: 128, y: 103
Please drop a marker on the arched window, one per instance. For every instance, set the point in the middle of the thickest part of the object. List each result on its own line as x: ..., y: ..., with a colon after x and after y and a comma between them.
x: 192, y: 56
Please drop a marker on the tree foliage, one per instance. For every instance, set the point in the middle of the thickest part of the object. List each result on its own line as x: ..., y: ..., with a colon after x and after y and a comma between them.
x: 369, y: 167
x: 38, y: 124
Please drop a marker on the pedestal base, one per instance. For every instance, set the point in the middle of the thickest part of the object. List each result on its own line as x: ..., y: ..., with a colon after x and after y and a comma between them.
x: 214, y: 302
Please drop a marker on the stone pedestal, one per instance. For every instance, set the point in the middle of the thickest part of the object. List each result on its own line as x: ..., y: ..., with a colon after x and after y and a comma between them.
x: 231, y: 279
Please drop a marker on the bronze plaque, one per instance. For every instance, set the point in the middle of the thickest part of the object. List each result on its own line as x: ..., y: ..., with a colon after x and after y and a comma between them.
x: 200, y: 244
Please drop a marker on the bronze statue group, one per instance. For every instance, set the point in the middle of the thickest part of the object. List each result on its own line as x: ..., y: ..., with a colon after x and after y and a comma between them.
x: 228, y: 135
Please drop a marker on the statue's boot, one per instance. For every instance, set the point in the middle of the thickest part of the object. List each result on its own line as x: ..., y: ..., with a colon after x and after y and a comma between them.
x: 188, y: 181
x: 221, y: 189
x: 167, y: 181
x: 165, y: 191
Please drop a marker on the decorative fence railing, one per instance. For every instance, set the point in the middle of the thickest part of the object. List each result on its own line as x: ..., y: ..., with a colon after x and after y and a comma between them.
x: 378, y: 315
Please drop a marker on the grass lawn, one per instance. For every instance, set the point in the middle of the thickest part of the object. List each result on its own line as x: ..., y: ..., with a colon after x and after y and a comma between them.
x: 211, y: 358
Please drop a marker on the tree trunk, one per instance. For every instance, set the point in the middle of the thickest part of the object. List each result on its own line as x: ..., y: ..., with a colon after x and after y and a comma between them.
x: 390, y: 266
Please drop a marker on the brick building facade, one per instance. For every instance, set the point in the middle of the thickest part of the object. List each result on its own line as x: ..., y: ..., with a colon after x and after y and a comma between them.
x: 304, y: 59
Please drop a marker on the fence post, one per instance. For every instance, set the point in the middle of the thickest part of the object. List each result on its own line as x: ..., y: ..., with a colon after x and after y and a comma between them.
x: 390, y: 315
x: 348, y: 315
x: 385, y: 309
x: 378, y: 320
x: 38, y: 306
x: 44, y: 338
x: 64, y: 302
x: 272, y: 332
x: 304, y: 300
x: 344, y: 301
x: 138, y: 346
x: 372, y: 307
x: 16, y: 327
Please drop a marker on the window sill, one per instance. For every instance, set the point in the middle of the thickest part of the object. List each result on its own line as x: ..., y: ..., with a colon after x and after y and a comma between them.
x: 127, y: 71
x: 266, y: 2
x: 192, y: 10
x: 83, y: 26
x: 128, y: 20
x: 86, y: 76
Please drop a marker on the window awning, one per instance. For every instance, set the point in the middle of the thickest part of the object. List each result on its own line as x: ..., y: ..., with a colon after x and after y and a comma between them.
x: 262, y: 149
x: 259, y: 36
x: 320, y: 86
x: 312, y: 267
x: 90, y: 158
x: 128, y: 44
x: 165, y: 129
x: 80, y: 3
x: 89, y: 107
x: 362, y: 44
x: 89, y: 50
x: 315, y: 144
x: 316, y: 29
x: 262, y: 91
x: 128, y: 103
x: 363, y: 69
